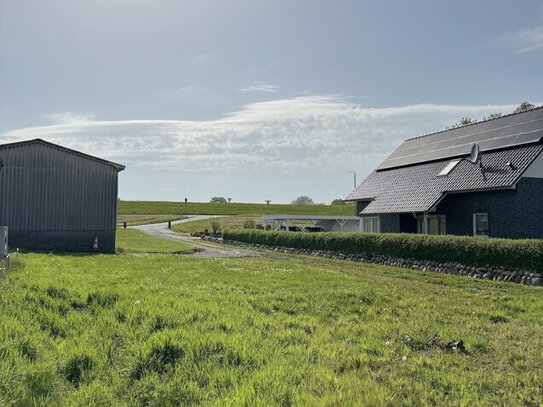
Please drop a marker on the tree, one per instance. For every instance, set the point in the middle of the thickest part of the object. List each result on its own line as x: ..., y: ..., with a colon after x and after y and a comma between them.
x: 218, y: 199
x: 337, y: 202
x: 463, y: 122
x: 492, y: 116
x: 524, y: 106
x: 302, y: 200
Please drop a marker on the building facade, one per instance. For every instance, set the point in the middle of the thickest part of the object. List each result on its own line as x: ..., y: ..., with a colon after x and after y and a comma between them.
x: 54, y: 198
x: 432, y: 184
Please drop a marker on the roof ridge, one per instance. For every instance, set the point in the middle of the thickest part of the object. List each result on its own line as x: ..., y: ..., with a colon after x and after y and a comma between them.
x: 475, y: 123
x: 118, y: 166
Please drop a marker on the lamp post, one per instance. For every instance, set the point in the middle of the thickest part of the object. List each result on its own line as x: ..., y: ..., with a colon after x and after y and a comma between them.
x: 354, y: 176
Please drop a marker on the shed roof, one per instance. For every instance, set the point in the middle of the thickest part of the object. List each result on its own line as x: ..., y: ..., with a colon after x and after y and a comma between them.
x: 511, y: 130
x: 118, y: 167
x: 418, y: 188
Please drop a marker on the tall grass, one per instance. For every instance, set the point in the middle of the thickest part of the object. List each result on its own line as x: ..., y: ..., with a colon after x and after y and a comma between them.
x: 166, y: 330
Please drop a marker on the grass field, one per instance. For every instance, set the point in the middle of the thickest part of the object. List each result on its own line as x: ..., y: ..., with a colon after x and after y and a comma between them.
x: 133, y: 220
x: 168, y: 330
x: 134, y: 241
x: 224, y: 222
x: 249, y: 209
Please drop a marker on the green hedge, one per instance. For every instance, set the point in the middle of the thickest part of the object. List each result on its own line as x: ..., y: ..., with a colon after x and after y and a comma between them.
x: 525, y: 254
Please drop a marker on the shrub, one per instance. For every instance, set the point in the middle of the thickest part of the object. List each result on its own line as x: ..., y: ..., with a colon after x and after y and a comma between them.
x: 527, y: 253
x: 249, y: 224
x: 215, y: 226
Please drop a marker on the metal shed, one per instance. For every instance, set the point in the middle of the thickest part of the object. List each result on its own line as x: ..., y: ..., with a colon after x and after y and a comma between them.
x: 54, y: 198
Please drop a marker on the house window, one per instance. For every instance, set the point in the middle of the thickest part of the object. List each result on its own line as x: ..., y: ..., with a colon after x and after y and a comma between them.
x: 436, y: 224
x: 371, y: 224
x: 480, y: 224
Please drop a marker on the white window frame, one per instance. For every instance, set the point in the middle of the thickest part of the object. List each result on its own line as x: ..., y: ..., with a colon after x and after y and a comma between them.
x: 475, y: 223
x: 371, y: 220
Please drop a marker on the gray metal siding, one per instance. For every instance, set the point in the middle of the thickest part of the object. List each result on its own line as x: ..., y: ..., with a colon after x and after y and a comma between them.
x: 46, y: 189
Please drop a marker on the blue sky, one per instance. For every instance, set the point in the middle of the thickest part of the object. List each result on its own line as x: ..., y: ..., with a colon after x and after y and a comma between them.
x: 259, y: 99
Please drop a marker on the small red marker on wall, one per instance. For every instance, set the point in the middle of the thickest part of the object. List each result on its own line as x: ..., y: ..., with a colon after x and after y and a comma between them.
x: 95, y: 244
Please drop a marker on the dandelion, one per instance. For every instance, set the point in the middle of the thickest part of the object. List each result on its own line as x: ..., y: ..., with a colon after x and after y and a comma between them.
x: 387, y: 343
x: 404, y: 358
x: 137, y: 302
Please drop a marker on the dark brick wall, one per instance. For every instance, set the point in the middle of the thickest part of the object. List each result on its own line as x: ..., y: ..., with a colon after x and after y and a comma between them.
x: 70, y: 241
x: 390, y: 223
x: 515, y: 214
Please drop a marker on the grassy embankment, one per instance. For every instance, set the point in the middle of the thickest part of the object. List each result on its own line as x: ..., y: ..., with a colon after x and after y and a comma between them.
x: 134, y: 220
x: 165, y: 330
x: 142, y: 212
x: 247, y: 209
x: 134, y: 241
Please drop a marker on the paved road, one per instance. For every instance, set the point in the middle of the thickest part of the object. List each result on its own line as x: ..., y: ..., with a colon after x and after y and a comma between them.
x: 205, y: 249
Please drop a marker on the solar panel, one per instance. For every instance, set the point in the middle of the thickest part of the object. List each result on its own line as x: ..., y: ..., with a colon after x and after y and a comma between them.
x: 507, y: 131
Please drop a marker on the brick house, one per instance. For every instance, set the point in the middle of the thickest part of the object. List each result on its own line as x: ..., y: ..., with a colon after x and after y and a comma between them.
x: 429, y: 184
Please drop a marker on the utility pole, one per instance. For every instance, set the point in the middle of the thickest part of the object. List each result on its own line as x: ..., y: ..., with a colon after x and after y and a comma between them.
x: 354, y: 177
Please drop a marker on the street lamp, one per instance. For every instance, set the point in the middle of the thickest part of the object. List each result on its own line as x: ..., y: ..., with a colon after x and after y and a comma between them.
x: 354, y: 176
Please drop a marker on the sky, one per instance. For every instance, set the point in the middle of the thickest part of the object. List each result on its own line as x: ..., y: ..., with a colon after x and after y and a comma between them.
x: 257, y: 100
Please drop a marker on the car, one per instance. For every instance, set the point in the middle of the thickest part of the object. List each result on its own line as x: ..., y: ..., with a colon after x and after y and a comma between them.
x: 312, y: 229
x: 291, y: 228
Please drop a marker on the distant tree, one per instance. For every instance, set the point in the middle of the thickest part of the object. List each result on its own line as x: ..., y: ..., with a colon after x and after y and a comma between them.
x: 524, y: 106
x: 492, y: 116
x: 337, y: 202
x: 463, y: 122
x: 218, y: 199
x: 302, y: 200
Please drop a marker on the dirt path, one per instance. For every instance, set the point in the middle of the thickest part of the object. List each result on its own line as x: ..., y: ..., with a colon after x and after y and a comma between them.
x: 206, y: 249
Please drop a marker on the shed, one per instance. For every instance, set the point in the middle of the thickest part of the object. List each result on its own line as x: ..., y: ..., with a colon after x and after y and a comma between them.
x: 55, y: 198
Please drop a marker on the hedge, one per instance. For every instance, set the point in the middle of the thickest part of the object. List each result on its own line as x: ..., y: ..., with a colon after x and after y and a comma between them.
x: 506, y: 253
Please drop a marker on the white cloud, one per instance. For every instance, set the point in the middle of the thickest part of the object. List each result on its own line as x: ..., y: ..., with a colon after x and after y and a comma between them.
x: 260, y: 87
x: 302, y: 135
x: 525, y: 40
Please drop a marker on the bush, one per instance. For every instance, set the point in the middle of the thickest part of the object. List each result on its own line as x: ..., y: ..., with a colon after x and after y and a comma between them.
x: 249, y: 224
x: 527, y: 254
x: 215, y: 226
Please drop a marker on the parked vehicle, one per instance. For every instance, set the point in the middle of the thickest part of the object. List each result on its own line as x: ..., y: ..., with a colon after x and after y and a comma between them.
x: 312, y: 229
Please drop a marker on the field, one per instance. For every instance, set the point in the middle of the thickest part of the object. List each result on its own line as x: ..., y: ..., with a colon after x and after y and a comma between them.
x: 133, y: 220
x: 249, y: 209
x: 134, y: 241
x: 171, y: 330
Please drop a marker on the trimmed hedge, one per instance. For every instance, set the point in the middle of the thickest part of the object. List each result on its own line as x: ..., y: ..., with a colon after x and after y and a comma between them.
x: 507, y: 253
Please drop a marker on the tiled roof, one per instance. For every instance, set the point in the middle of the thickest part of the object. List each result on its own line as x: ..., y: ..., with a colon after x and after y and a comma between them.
x: 417, y: 188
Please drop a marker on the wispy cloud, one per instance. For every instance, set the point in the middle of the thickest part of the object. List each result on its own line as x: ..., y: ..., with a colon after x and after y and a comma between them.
x: 311, y: 134
x: 525, y: 40
x: 260, y: 87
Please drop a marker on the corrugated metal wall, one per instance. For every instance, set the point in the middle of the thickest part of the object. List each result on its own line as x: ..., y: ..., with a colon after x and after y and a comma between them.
x: 46, y: 189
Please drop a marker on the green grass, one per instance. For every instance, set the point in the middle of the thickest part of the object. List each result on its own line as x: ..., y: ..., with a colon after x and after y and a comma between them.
x: 134, y: 220
x: 225, y: 222
x: 166, y: 330
x: 250, y: 209
x: 134, y: 241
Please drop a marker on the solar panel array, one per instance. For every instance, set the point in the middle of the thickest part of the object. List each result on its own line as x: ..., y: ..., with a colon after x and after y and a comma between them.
x: 508, y: 131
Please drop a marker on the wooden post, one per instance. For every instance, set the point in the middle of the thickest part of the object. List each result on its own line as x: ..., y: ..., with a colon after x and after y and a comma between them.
x: 169, y: 224
x: 124, y: 225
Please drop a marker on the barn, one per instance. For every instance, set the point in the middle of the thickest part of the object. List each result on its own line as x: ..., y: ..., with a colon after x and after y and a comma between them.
x: 484, y: 179
x: 55, y: 198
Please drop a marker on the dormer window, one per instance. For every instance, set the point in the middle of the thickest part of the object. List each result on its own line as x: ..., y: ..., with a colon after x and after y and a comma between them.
x: 448, y: 168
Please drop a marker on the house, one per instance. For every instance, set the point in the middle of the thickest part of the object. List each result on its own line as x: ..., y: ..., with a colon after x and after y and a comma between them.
x: 431, y: 184
x: 54, y: 198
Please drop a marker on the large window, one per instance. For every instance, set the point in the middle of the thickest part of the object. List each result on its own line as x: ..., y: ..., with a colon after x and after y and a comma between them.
x: 436, y: 224
x: 371, y: 224
x: 480, y: 224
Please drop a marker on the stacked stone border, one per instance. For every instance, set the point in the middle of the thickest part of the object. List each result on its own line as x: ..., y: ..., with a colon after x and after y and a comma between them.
x: 490, y: 273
